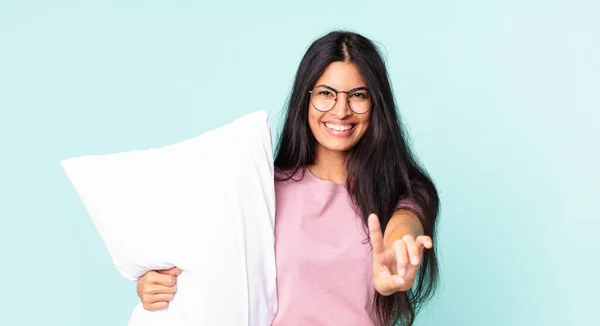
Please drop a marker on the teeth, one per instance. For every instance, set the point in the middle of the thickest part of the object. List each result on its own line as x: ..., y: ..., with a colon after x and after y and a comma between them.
x: 338, y: 127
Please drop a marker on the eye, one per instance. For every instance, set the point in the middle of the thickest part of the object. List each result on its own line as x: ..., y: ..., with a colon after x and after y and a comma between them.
x: 360, y: 95
x: 325, y: 93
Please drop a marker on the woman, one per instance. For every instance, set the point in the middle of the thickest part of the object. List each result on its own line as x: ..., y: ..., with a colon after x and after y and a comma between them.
x: 344, y: 175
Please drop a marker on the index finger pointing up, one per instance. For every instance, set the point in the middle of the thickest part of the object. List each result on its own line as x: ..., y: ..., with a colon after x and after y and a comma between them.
x: 375, y: 234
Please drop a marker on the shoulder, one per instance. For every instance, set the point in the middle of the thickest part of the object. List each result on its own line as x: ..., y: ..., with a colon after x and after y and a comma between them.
x: 289, y: 180
x: 288, y: 175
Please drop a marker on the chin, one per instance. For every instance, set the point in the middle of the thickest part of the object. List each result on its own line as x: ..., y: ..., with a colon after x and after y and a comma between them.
x: 336, y: 146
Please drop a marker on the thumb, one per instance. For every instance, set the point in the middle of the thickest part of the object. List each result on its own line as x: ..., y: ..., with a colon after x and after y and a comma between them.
x: 375, y: 234
x: 173, y: 271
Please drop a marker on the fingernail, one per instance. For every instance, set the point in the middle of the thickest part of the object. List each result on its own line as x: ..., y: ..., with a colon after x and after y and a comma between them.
x: 415, y: 260
x: 399, y: 281
x: 402, y: 272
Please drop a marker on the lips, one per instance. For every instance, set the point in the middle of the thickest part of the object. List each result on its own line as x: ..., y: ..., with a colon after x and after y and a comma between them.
x: 339, y: 130
x: 339, y: 127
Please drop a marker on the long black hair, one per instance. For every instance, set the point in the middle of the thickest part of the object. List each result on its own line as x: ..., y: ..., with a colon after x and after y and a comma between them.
x: 381, y: 168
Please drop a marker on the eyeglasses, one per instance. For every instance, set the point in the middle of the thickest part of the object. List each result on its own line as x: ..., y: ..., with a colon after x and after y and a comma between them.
x: 323, y: 98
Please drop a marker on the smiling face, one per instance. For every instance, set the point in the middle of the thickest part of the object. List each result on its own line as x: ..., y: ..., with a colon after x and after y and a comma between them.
x: 339, y: 129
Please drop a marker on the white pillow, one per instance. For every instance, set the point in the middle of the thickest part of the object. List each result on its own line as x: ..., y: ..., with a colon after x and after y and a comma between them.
x: 206, y: 205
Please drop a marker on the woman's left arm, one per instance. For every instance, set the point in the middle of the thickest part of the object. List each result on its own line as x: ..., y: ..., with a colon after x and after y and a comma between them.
x: 403, y: 222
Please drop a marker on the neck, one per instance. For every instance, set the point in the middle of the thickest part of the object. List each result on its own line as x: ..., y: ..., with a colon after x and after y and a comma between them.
x: 330, y: 165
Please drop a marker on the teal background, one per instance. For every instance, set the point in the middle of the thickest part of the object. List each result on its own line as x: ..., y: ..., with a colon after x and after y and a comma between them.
x: 501, y: 99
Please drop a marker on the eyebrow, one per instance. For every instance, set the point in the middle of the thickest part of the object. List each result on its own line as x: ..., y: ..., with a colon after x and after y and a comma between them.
x: 350, y: 91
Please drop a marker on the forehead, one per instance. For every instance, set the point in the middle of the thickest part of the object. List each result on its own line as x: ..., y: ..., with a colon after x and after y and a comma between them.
x: 341, y: 76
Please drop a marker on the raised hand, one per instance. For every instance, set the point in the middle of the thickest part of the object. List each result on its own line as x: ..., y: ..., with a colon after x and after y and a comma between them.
x: 395, y: 266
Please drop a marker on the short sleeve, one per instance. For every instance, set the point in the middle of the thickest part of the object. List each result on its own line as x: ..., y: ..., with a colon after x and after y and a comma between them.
x: 410, y: 204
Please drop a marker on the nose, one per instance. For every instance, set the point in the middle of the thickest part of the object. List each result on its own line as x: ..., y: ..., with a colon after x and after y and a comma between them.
x: 341, y: 109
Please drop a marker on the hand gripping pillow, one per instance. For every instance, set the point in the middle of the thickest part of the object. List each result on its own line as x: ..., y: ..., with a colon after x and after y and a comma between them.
x: 206, y: 205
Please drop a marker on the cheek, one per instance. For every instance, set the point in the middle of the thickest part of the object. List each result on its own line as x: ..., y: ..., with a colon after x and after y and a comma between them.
x: 365, y: 123
x: 313, y: 121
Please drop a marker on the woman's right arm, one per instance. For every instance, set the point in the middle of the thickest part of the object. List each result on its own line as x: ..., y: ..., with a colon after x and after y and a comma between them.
x: 157, y: 288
